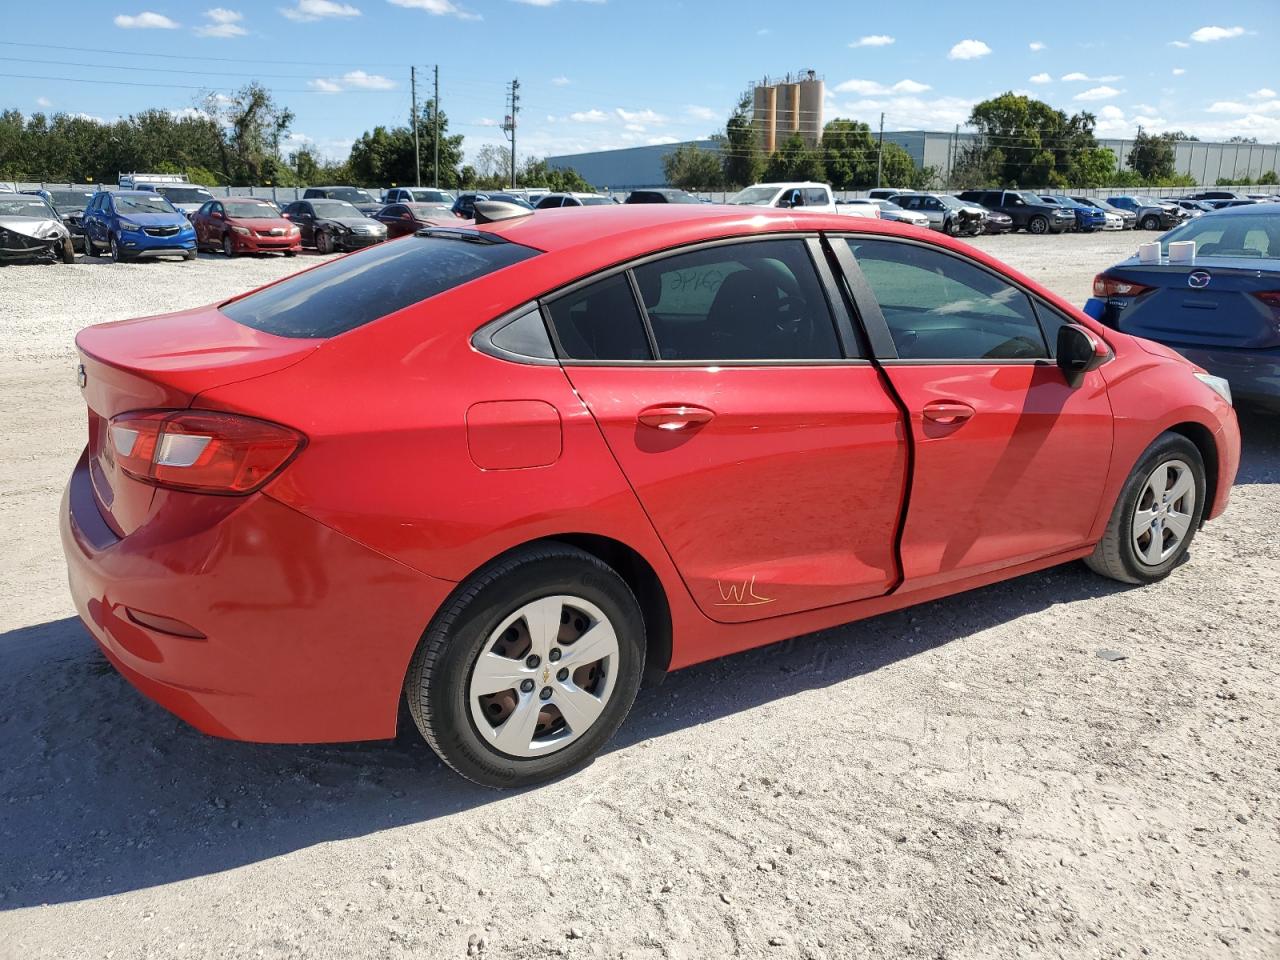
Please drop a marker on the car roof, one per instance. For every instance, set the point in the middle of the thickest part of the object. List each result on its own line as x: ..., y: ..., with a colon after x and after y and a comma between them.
x: 1246, y: 210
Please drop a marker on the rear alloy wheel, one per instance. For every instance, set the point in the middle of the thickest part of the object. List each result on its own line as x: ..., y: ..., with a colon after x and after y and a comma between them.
x: 530, y: 668
x: 324, y: 242
x: 1150, y: 222
x: 1038, y: 225
x: 1157, y: 515
x: 226, y: 245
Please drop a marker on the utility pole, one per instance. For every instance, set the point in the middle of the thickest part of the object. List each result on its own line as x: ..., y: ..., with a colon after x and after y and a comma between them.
x: 413, y: 96
x: 509, y: 126
x: 880, y: 152
x: 435, y: 122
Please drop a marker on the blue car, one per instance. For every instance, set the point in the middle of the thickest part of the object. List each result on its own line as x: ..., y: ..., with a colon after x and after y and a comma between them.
x: 136, y: 223
x: 1088, y: 219
x: 1221, y: 311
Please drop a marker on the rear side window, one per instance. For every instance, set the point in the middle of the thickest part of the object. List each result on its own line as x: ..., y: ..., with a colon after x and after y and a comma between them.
x: 748, y: 301
x: 601, y: 322
x: 355, y: 290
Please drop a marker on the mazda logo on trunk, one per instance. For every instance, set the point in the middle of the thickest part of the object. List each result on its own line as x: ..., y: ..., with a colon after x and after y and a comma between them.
x: 1198, y: 279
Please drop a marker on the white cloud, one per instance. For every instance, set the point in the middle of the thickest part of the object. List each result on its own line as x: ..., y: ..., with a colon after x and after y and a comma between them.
x: 1179, y: 43
x: 145, y: 21
x: 559, y: 81
x: 700, y: 113
x: 438, y: 8
x: 485, y: 122
x: 1266, y: 93
x: 910, y: 113
x: 659, y: 141
x: 1035, y: 46
x: 873, y: 88
x: 43, y: 102
x: 1098, y: 93
x: 1041, y: 78
x: 352, y: 80
x: 968, y: 50
x: 1210, y: 34
x: 1070, y: 77
x: 222, y: 23
x: 640, y: 116
x: 306, y: 10
x: 1074, y: 77
x: 589, y: 116
x: 1258, y: 106
x: 190, y: 113
x: 763, y: 32
x: 873, y: 40
x: 1178, y: 71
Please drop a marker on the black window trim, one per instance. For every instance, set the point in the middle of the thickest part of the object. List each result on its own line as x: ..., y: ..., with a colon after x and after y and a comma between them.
x: 655, y: 360
x: 878, y: 328
x: 482, y: 339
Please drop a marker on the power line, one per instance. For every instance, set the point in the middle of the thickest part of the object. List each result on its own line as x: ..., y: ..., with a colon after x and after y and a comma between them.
x: 176, y: 86
x: 189, y: 57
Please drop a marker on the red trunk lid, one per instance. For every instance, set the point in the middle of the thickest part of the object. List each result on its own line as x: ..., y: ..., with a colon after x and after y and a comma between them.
x: 163, y: 362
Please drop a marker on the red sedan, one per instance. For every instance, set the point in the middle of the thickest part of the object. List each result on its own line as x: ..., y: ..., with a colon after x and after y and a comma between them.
x: 244, y: 225
x: 504, y: 468
x: 405, y: 218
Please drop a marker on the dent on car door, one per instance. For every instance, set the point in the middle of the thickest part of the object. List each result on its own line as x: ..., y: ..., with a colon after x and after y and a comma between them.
x: 764, y: 448
x: 1010, y: 461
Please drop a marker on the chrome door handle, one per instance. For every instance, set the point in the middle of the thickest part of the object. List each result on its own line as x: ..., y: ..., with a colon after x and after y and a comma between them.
x: 948, y: 412
x: 675, y: 416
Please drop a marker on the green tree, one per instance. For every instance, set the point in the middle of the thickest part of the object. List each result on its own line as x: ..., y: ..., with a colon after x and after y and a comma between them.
x: 385, y: 154
x: 1092, y: 168
x: 849, y: 154
x: 793, y: 160
x: 254, y: 124
x: 1037, y: 143
x: 740, y: 154
x: 536, y: 173
x: 898, y: 169
x: 1152, y: 156
x: 692, y: 168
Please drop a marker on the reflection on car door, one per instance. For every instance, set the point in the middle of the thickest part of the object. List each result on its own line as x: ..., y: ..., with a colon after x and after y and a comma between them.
x: 1010, y: 461
x: 763, y: 447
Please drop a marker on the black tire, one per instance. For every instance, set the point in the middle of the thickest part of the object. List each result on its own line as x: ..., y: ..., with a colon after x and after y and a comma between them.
x: 1115, y: 555
x: 189, y: 255
x: 226, y: 246
x: 68, y: 251
x: 1038, y: 225
x: 291, y: 253
x: 117, y: 254
x: 437, y: 684
x: 1151, y: 222
x: 89, y: 249
x: 950, y: 227
x: 324, y: 242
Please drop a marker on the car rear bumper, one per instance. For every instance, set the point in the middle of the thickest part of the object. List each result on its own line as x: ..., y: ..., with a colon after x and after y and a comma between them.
x: 306, y: 634
x: 1253, y: 374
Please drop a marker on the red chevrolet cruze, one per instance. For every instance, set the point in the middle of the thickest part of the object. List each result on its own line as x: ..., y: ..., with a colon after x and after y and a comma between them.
x: 501, y: 468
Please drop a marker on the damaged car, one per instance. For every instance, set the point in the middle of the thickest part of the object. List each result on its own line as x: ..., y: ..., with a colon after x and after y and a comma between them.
x: 30, y: 229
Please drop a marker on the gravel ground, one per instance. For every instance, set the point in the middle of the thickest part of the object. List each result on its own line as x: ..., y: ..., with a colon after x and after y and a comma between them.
x: 967, y: 779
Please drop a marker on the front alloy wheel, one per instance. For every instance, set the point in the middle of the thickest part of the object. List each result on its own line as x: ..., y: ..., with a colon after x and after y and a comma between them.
x: 529, y: 668
x: 1151, y: 223
x: 1038, y: 225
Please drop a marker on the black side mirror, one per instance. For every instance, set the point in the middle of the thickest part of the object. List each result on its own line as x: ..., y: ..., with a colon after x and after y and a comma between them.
x: 1078, y: 352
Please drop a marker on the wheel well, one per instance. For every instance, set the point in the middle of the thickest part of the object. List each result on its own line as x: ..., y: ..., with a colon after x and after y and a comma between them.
x: 1202, y: 437
x: 644, y: 583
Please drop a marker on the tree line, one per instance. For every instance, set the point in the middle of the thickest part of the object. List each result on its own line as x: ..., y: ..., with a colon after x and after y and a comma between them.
x: 1019, y: 141
x: 236, y: 141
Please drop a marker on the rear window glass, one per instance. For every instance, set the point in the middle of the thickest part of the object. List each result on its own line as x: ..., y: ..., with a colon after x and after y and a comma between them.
x: 350, y: 292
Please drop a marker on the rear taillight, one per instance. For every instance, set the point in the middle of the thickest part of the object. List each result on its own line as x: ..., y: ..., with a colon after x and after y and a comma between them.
x: 1271, y: 298
x: 1105, y: 286
x: 201, y: 450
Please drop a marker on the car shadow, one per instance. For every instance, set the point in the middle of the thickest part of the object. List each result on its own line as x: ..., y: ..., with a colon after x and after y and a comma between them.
x: 1259, y: 444
x: 102, y: 791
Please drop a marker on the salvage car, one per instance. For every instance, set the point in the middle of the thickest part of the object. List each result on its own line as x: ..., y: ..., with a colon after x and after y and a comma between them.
x: 418, y: 195
x: 1128, y: 219
x: 330, y: 225
x: 405, y: 218
x: 30, y: 229
x: 70, y: 206
x: 360, y: 199
x: 891, y: 211
x: 499, y: 470
x: 952, y: 216
x: 134, y: 224
x: 1025, y: 208
x: 1221, y: 310
x: 659, y: 195
x: 1088, y: 219
x: 245, y: 225
x: 1151, y: 214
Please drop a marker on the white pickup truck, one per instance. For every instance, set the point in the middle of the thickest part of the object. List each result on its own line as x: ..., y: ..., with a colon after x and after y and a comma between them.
x: 813, y: 197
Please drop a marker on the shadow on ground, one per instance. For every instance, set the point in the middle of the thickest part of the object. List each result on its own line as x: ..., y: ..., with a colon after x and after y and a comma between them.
x: 103, y: 792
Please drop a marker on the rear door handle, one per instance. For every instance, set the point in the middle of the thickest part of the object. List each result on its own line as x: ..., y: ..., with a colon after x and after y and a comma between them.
x: 674, y: 416
x: 948, y: 411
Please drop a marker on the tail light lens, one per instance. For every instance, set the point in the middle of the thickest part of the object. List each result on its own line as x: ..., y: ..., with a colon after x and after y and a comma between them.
x: 1271, y: 298
x: 201, y: 450
x: 1105, y: 286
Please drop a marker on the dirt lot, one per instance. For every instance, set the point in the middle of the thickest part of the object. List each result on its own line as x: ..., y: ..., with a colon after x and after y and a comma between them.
x: 968, y: 779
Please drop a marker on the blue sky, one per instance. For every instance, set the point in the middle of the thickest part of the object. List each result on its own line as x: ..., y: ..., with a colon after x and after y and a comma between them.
x: 597, y: 74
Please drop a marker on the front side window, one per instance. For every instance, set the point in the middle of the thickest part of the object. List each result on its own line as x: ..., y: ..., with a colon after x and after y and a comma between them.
x: 815, y: 196
x: 939, y: 307
x: 747, y: 301
x: 352, y: 291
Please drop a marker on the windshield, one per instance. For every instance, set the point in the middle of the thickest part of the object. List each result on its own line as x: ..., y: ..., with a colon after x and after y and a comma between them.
x: 248, y: 208
x: 429, y: 210
x: 334, y: 208
x: 142, y: 203
x: 350, y: 194
x: 26, y: 207
x: 432, y: 196
x: 754, y: 197
x: 952, y: 203
x: 1230, y: 236
x: 594, y: 201
x: 185, y: 194
x: 71, y: 199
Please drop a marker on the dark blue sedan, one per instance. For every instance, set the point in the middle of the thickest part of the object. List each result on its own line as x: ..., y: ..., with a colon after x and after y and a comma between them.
x: 1088, y: 219
x: 1221, y: 311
